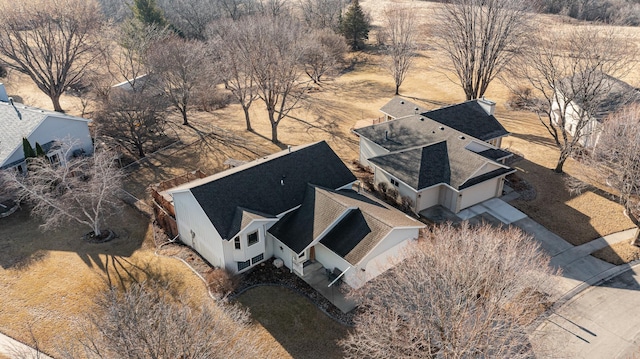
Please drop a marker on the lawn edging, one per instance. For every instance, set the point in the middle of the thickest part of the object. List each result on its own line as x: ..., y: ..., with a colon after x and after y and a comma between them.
x: 234, y: 296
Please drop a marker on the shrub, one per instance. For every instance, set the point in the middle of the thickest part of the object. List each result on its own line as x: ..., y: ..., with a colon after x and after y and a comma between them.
x: 220, y: 281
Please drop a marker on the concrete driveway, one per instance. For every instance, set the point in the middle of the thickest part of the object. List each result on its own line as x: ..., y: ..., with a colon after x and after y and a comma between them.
x: 600, y: 322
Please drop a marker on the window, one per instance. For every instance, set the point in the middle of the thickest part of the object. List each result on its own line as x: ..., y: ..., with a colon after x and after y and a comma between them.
x: 253, y: 238
x: 236, y: 242
x: 54, y: 158
x: 257, y: 258
x: 243, y: 265
x: 394, y: 182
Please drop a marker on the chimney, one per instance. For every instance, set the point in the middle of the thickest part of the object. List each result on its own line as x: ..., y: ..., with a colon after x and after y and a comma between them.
x: 3, y: 93
x: 487, y: 105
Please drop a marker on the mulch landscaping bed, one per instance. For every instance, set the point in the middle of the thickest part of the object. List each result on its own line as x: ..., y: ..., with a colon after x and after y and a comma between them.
x: 264, y: 274
x: 267, y: 274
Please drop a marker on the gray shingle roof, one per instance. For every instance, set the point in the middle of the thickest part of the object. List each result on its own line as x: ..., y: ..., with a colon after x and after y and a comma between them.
x: 18, y: 121
x: 408, y: 132
x: 399, y: 107
x: 268, y: 186
x: 418, y: 155
x: 469, y: 118
x: 365, y: 222
x: 419, y: 167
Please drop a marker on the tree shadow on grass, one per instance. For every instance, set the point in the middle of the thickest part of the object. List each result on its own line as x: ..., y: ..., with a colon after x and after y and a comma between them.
x: 23, y: 244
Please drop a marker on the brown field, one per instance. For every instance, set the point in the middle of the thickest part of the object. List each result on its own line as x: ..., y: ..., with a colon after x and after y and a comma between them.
x: 48, y: 280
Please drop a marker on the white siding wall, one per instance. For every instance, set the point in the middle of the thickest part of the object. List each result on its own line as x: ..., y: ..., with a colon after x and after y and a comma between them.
x: 369, y: 149
x: 480, y: 192
x: 404, y: 190
x: 205, y: 239
x: 428, y: 197
x: 329, y: 259
x: 54, y: 128
x: 448, y: 198
x: 280, y: 250
x: 246, y: 252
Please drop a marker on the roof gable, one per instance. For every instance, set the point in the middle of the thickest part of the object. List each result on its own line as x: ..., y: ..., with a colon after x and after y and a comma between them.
x: 269, y: 186
x: 18, y: 121
x: 348, y: 223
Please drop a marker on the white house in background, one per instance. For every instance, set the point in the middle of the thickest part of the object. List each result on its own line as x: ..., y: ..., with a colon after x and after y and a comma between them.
x: 432, y: 163
x: 618, y: 95
x: 475, y: 117
x: 296, y: 205
x: 47, y: 128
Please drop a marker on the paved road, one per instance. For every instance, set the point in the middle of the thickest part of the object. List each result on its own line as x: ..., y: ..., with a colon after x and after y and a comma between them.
x: 601, y: 322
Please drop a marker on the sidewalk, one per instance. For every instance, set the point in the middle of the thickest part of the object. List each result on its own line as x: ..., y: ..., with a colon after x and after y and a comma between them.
x: 12, y: 348
x: 579, y: 269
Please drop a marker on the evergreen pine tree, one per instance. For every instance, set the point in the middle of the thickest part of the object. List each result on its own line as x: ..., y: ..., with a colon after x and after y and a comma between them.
x: 354, y: 26
x: 39, y: 151
x: 148, y: 12
x: 28, y: 150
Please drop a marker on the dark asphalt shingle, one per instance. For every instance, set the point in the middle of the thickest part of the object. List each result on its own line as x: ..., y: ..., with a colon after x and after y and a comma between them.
x: 469, y: 118
x: 268, y: 186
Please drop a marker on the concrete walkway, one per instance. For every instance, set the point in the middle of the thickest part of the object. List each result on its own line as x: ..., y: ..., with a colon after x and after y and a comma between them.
x: 13, y: 348
x: 579, y: 269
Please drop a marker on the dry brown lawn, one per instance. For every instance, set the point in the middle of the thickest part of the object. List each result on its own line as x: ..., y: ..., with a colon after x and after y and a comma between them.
x: 618, y: 253
x: 48, y: 280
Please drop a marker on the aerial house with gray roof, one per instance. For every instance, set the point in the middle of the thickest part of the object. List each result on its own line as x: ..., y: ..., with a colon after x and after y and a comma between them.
x: 432, y: 163
x: 475, y: 117
x: 296, y: 205
x: 47, y: 128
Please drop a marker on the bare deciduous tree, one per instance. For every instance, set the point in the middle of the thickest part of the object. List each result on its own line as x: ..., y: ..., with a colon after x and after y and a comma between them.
x: 571, y: 72
x: 134, y: 119
x: 616, y: 159
x: 148, y: 320
x: 191, y: 17
x: 323, y: 54
x: 228, y: 38
x: 51, y: 41
x: 480, y: 37
x: 322, y: 14
x: 181, y: 71
x: 467, y: 292
x: 401, y: 31
x: 274, y: 49
x: 83, y: 190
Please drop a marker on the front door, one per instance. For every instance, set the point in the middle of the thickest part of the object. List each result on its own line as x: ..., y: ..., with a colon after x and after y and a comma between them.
x: 312, y: 253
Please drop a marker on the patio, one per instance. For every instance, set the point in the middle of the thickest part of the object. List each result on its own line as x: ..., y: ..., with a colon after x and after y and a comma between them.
x: 316, y: 276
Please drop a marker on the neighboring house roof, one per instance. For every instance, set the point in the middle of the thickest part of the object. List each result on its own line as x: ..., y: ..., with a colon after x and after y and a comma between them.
x: 399, y: 107
x: 618, y: 95
x: 469, y: 118
x: 408, y: 132
x: 424, y: 153
x: 362, y: 223
x: 269, y: 186
x: 18, y: 121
